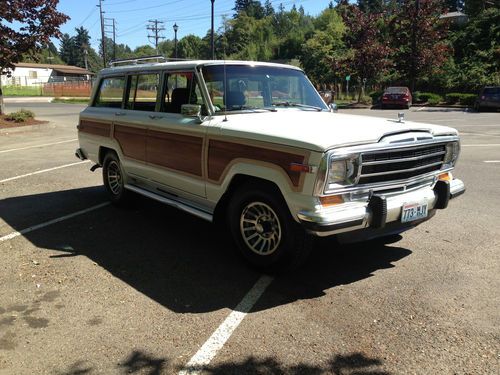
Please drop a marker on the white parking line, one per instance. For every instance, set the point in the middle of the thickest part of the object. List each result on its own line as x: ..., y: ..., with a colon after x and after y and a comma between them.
x: 483, y: 145
x: 420, y: 109
x: 50, y: 222
x: 37, y: 146
x: 209, y: 350
x: 492, y: 161
x: 43, y: 171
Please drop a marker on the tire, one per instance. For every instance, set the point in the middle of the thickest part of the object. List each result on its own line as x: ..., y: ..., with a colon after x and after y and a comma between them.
x: 264, y: 231
x: 114, y: 179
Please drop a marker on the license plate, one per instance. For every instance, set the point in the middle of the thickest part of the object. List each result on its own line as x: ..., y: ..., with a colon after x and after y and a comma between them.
x: 413, y: 211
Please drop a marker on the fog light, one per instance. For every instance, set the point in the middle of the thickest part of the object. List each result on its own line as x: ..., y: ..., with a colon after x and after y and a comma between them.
x: 445, y: 177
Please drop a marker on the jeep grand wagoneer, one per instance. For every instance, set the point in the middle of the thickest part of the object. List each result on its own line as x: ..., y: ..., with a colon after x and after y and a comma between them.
x: 254, y: 144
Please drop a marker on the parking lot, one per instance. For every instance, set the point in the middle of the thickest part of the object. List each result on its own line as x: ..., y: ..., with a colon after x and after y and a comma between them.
x: 89, y: 288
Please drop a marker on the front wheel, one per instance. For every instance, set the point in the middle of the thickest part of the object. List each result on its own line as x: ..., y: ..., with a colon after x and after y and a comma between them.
x: 114, y: 179
x: 264, y: 231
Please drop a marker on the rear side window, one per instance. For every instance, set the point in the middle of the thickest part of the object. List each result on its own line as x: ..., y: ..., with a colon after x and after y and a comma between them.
x: 143, y: 92
x: 110, y: 92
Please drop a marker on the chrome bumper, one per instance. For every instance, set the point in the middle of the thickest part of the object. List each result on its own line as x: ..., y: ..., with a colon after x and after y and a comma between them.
x: 379, y: 210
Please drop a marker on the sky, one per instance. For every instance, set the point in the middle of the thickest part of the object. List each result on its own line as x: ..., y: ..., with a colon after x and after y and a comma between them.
x: 132, y: 16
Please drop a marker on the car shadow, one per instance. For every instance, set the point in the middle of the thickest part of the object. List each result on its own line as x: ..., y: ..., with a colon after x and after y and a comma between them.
x: 182, y: 262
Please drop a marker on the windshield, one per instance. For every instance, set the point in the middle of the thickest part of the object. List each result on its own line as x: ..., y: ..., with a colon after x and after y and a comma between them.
x: 250, y: 88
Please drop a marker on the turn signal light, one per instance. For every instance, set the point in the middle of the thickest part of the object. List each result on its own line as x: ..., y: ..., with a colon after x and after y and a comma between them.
x: 445, y: 177
x: 331, y: 200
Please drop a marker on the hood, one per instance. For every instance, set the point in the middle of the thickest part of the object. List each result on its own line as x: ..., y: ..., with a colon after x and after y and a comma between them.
x: 319, y: 131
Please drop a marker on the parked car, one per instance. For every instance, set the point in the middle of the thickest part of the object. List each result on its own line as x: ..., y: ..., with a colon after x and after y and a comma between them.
x: 488, y: 98
x: 396, y: 96
x: 214, y: 139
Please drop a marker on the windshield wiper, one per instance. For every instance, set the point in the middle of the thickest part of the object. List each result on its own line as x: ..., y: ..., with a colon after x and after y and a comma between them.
x: 288, y: 104
x: 248, y: 108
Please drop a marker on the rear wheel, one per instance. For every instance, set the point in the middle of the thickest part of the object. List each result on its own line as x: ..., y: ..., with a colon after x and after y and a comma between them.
x: 114, y: 179
x: 264, y: 231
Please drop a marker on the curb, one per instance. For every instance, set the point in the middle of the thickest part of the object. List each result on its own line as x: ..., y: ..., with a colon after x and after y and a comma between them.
x: 27, y: 128
x: 27, y: 99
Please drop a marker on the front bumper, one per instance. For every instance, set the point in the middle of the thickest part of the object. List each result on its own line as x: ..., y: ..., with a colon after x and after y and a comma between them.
x: 379, y: 210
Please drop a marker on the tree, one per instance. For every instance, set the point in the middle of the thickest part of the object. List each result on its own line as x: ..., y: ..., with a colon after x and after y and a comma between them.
x: 39, y: 21
x: 190, y: 47
x: 268, y: 8
x: 322, y: 52
x: 368, y: 57
x: 68, y: 50
x: 419, y: 39
x: 252, y: 8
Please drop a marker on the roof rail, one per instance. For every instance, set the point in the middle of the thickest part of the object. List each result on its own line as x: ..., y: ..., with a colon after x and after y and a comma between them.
x: 139, y: 60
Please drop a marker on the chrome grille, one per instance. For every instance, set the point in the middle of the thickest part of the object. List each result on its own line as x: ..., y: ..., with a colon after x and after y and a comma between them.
x: 400, y: 164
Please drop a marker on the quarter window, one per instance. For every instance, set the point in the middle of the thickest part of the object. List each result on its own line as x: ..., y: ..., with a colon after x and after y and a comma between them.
x: 110, y: 92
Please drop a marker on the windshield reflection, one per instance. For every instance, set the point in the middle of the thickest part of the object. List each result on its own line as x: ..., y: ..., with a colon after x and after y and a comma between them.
x: 254, y: 88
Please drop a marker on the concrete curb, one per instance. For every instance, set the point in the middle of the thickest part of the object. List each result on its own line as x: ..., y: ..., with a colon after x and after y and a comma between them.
x: 27, y: 128
x: 28, y: 99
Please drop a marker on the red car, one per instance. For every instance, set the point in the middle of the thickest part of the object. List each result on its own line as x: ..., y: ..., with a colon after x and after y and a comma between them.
x: 396, y: 96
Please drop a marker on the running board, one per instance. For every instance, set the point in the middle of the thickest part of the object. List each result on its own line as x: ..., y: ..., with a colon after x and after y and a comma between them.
x: 170, y: 202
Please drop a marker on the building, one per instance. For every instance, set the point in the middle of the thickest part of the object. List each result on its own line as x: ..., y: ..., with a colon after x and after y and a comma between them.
x: 28, y: 74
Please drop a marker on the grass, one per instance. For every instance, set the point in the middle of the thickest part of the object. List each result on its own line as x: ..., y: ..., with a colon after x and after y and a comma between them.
x: 22, y: 90
x: 72, y: 100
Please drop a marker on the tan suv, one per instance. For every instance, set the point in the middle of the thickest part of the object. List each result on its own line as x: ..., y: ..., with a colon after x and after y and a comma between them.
x: 255, y: 144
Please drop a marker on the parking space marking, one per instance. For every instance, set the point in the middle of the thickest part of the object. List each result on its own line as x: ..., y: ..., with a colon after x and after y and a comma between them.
x: 420, y: 109
x: 492, y: 161
x: 37, y: 146
x: 43, y: 171
x: 50, y: 222
x: 210, y: 348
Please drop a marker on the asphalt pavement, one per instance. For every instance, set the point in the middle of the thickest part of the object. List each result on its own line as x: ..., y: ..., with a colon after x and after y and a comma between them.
x: 88, y: 288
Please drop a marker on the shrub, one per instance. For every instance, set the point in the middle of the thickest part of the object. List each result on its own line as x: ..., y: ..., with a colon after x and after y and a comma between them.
x: 453, y: 97
x: 20, y: 116
x: 464, y: 99
x: 427, y: 97
x: 468, y: 99
x: 375, y: 95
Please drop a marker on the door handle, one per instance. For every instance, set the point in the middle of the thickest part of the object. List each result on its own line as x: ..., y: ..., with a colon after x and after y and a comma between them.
x: 119, y: 113
x: 154, y: 117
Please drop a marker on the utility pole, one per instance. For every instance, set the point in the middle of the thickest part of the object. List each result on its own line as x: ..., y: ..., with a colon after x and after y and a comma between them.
x: 112, y: 24
x: 103, y: 40
x: 156, y: 27
x: 212, y: 43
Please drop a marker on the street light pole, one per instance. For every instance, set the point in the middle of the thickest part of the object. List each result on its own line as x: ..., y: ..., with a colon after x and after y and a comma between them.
x: 212, y: 43
x: 175, y: 38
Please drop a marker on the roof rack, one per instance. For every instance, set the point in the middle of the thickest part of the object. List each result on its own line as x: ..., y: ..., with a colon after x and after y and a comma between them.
x: 143, y: 60
x: 139, y: 60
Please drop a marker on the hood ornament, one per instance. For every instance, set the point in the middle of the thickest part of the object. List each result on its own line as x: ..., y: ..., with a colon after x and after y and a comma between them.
x: 401, y: 117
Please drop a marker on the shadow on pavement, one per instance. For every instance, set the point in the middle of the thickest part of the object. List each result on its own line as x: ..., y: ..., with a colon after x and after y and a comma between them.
x: 349, y: 364
x: 184, y: 263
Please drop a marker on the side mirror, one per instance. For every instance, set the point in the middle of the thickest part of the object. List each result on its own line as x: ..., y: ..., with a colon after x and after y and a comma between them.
x: 333, y: 107
x: 191, y: 110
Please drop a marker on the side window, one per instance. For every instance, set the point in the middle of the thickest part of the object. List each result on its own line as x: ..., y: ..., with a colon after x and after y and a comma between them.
x: 110, y: 92
x: 181, y: 89
x: 143, y: 92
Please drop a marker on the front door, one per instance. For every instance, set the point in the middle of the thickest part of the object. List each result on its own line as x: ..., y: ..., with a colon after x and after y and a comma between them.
x: 175, y: 144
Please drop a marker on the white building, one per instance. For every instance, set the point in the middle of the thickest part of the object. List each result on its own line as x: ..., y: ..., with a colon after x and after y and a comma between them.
x: 28, y: 74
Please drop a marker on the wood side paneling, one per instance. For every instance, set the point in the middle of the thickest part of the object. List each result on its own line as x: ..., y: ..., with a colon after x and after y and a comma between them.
x: 94, y: 127
x: 132, y: 141
x: 221, y: 154
x: 175, y: 151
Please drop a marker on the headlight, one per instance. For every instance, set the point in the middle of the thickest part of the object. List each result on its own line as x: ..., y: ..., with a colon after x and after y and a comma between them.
x: 342, y: 172
x: 451, y: 156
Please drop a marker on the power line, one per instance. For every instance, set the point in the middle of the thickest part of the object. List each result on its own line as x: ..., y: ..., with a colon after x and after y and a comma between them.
x: 139, y: 9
